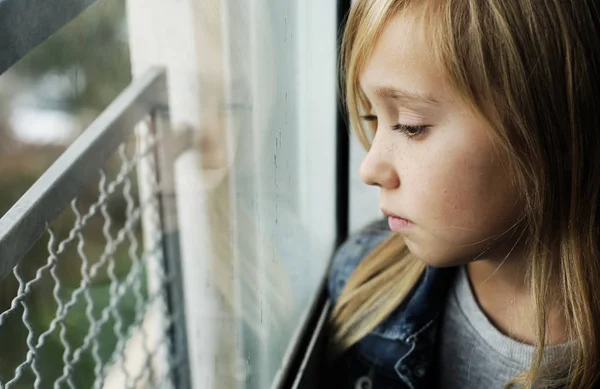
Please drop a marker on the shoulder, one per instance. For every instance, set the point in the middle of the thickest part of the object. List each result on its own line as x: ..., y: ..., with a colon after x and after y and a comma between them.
x: 349, y: 255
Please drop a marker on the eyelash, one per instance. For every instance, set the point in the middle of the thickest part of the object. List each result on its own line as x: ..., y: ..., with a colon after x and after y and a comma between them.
x: 408, y: 131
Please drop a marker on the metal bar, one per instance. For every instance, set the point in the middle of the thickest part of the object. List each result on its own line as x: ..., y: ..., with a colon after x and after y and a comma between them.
x: 308, y: 375
x: 24, y: 24
x: 29, y: 218
x: 165, y: 172
x: 299, y: 343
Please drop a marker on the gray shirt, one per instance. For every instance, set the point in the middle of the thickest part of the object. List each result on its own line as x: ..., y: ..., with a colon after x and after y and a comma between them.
x: 473, y: 353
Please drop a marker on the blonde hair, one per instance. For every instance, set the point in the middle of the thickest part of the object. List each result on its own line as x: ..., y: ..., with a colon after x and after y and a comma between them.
x: 530, y: 69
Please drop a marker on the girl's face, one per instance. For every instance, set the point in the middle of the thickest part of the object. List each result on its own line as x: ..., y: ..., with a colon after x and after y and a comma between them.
x: 432, y: 156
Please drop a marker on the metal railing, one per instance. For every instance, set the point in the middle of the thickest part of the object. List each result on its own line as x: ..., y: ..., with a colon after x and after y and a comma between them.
x: 115, y: 322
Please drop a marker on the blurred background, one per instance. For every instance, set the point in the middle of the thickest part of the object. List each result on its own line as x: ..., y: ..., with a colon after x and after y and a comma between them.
x: 253, y: 83
x: 47, y: 100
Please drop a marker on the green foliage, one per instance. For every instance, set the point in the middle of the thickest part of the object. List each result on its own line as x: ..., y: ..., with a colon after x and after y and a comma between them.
x: 92, y: 50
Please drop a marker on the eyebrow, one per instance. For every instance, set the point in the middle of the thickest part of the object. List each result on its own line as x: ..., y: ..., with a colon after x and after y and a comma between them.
x: 405, y: 96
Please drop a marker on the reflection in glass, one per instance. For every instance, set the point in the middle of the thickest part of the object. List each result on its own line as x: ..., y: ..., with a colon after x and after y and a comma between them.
x: 262, y: 258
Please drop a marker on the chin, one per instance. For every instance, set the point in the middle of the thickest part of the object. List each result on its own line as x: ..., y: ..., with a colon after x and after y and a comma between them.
x: 434, y: 258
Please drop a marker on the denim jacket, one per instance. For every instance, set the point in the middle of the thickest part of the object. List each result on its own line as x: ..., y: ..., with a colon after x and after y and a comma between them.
x: 399, y: 353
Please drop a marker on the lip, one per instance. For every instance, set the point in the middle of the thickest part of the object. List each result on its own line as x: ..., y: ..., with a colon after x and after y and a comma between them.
x: 397, y: 223
x: 391, y: 214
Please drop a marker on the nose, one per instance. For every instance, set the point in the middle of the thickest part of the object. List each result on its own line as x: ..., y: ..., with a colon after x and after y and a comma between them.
x: 378, y: 168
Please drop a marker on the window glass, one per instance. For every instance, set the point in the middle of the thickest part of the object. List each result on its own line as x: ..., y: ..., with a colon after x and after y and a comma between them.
x: 253, y: 84
x: 257, y: 187
x: 56, y: 90
x: 47, y: 100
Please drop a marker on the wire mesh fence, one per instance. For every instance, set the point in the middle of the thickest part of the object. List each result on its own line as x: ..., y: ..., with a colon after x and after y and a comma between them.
x: 88, y: 306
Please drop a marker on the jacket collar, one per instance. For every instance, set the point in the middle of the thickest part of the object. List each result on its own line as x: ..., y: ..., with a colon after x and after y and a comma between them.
x: 415, y: 323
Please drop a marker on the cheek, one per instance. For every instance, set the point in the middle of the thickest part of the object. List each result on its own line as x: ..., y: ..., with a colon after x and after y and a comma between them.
x: 463, y: 195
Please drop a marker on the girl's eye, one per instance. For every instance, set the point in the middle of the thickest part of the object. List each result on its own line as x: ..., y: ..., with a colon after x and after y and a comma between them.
x: 369, y: 118
x: 409, y: 131
x: 371, y: 122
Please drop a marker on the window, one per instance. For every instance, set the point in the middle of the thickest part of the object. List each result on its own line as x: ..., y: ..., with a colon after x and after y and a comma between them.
x: 255, y: 81
x: 47, y: 100
x: 243, y: 206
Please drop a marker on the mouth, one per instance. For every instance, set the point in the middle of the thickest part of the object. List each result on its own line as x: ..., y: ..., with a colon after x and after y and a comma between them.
x: 397, y: 223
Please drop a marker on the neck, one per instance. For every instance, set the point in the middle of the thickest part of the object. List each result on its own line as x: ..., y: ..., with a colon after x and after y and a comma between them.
x: 501, y: 289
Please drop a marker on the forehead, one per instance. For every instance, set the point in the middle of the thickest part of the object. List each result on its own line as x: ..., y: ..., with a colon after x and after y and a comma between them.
x: 402, y: 58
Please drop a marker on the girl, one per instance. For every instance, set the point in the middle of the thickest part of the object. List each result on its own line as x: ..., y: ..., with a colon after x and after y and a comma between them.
x: 481, y: 127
